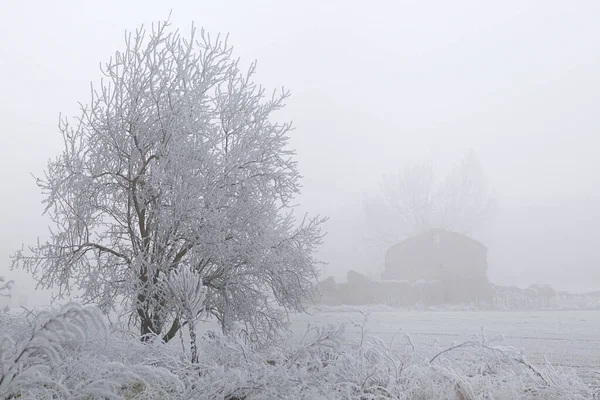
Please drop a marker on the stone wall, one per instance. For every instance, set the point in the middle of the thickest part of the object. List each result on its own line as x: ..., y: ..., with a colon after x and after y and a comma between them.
x: 359, y: 290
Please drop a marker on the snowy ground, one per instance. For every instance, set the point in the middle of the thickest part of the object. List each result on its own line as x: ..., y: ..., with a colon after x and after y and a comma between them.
x: 566, y: 338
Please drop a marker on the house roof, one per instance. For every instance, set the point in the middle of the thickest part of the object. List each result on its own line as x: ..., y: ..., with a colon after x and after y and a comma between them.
x: 440, y: 232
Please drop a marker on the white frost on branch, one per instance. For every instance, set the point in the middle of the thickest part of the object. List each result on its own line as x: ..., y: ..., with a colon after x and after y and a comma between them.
x: 188, y: 296
x: 5, y: 288
x: 28, y: 369
x: 187, y: 291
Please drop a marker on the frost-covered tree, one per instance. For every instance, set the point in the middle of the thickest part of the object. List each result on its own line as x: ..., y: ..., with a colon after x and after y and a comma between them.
x: 177, y: 163
x: 414, y: 200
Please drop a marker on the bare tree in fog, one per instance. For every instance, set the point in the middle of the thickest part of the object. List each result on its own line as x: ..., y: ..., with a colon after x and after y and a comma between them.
x: 414, y: 200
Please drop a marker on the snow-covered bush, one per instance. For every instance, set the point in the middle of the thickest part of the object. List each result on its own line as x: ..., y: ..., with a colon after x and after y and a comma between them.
x: 52, y: 358
x: 187, y: 295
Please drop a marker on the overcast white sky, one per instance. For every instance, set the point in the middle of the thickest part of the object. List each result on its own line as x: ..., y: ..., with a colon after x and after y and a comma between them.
x: 375, y: 85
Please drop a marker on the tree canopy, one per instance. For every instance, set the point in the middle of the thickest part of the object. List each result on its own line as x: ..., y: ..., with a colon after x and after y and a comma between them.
x: 414, y: 200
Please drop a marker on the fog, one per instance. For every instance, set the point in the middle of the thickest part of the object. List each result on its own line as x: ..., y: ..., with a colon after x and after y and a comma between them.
x: 375, y: 86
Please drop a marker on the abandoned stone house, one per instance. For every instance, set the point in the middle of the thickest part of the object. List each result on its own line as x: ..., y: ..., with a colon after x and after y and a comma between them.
x: 452, y: 264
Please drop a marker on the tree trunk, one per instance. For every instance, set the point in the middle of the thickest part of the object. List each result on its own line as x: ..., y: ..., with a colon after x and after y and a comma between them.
x: 146, y: 328
x: 173, y: 331
x: 193, y: 344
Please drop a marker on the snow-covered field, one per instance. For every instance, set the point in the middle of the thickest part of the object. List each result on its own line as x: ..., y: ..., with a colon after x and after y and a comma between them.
x: 565, y: 338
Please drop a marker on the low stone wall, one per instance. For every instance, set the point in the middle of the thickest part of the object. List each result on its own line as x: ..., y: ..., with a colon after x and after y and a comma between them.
x: 359, y: 290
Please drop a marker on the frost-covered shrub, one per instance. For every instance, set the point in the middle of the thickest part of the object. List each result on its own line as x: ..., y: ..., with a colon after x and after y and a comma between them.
x: 327, y: 366
x: 60, y: 358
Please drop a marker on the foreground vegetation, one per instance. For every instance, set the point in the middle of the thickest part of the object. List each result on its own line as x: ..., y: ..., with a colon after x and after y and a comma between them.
x: 73, y: 353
